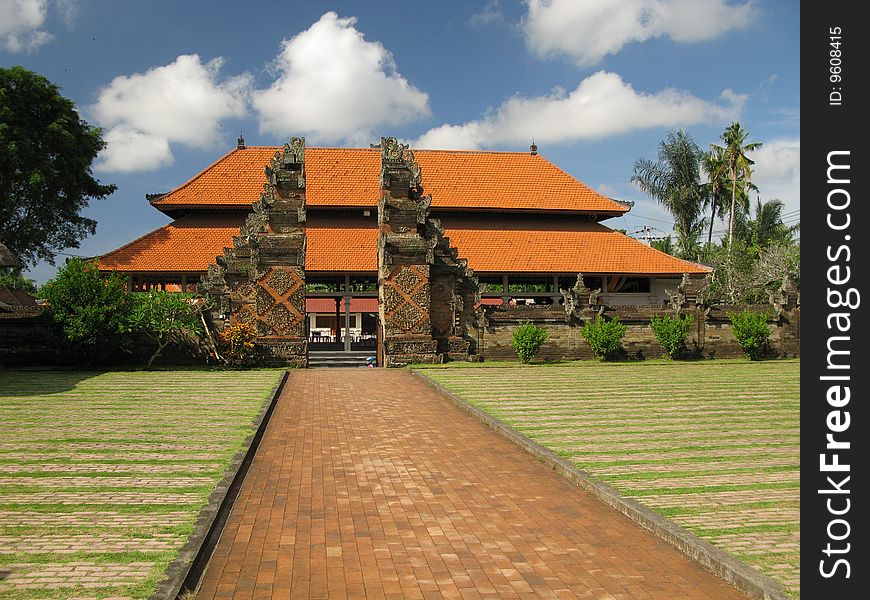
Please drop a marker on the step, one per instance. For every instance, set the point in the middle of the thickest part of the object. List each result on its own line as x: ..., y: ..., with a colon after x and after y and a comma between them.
x: 338, y: 359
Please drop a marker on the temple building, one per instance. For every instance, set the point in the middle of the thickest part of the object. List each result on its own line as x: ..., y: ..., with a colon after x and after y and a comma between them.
x: 525, y: 227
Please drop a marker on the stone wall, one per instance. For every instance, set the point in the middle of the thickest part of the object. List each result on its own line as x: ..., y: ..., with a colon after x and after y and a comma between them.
x: 711, y: 335
x: 25, y: 339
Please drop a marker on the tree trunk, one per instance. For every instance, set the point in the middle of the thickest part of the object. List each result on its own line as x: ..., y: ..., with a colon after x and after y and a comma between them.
x: 160, y: 346
x: 733, y: 206
x: 712, y: 218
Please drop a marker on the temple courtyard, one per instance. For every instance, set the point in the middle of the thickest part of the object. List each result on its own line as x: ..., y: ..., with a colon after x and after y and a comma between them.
x: 369, y: 483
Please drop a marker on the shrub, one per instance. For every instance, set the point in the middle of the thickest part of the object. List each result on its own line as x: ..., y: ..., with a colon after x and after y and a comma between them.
x: 237, y: 343
x: 164, y: 317
x: 605, y: 337
x: 89, y: 310
x: 671, y: 333
x: 752, y: 332
x: 528, y: 339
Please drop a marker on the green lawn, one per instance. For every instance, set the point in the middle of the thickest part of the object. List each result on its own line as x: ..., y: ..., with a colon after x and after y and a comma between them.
x: 712, y: 445
x: 102, y: 475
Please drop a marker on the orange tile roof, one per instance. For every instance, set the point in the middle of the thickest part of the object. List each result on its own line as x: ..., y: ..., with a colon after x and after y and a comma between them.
x: 348, y: 177
x: 556, y: 245
x: 187, y: 244
x: 552, y: 245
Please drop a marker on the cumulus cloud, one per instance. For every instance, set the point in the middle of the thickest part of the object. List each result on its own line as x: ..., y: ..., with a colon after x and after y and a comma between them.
x: 777, y: 172
x: 588, y: 31
x: 182, y: 102
x: 334, y: 86
x: 603, y: 104
x: 20, y: 22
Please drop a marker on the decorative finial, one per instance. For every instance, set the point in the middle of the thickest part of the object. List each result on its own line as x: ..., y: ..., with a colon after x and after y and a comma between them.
x: 241, y: 142
x: 533, y: 148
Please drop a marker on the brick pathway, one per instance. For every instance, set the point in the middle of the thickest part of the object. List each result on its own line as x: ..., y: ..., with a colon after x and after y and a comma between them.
x: 368, y: 484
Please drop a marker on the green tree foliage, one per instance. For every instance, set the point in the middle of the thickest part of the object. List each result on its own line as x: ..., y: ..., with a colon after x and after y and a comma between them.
x: 766, y: 228
x: 674, y: 180
x: 666, y: 245
x: 90, y: 311
x: 46, y: 151
x: 164, y: 317
x: 671, y: 333
x: 528, y: 339
x: 752, y: 332
x: 605, y: 337
x: 738, y: 167
x: 12, y: 278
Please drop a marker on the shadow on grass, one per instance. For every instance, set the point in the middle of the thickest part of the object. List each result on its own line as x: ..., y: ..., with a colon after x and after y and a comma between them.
x: 40, y: 382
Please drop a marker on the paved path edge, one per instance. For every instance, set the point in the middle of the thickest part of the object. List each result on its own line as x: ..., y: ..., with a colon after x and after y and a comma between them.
x: 745, y: 578
x: 184, y: 573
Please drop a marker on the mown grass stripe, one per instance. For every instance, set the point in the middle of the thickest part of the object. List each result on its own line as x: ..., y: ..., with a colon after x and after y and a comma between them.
x: 176, y: 421
x: 655, y: 422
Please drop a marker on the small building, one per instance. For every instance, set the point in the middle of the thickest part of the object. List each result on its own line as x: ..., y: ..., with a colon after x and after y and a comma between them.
x: 525, y: 227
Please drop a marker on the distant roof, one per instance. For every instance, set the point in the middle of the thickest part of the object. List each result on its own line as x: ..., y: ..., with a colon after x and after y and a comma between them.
x: 7, y: 259
x: 501, y: 244
x: 10, y: 298
x: 349, y: 177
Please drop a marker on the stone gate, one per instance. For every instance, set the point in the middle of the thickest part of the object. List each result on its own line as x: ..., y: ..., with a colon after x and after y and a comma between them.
x: 261, y: 279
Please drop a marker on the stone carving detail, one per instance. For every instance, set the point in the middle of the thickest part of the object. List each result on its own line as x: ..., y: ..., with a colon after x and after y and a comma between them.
x: 275, y: 306
x: 786, y: 297
x: 427, y: 293
x: 405, y: 301
x: 578, y: 298
x: 690, y: 292
x: 398, y: 159
x: 261, y: 279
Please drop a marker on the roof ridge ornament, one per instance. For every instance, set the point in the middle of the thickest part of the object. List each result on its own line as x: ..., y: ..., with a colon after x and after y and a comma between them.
x: 288, y: 164
x: 396, y: 156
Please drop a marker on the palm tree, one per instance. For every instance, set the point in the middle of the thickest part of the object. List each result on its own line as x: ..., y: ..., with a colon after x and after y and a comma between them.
x: 674, y: 181
x: 738, y: 164
x: 767, y: 227
x: 715, y: 167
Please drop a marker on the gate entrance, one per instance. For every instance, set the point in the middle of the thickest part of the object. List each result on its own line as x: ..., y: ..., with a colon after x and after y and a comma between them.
x: 341, y: 313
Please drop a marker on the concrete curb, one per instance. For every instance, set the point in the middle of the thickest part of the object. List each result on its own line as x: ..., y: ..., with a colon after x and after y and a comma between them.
x: 746, y: 579
x: 185, y: 572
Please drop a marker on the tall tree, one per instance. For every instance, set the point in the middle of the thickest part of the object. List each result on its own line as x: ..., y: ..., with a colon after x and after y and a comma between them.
x: 739, y: 165
x: 767, y: 227
x: 715, y: 167
x: 46, y: 151
x: 674, y: 180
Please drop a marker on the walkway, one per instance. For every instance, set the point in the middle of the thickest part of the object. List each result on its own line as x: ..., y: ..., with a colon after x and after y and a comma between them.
x: 368, y: 484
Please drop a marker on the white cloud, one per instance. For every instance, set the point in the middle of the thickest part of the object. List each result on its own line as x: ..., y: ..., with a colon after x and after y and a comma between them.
x: 777, y: 172
x: 183, y: 102
x: 490, y: 14
x: 589, y: 30
x: 603, y: 104
x: 133, y: 150
x: 20, y: 21
x: 333, y: 86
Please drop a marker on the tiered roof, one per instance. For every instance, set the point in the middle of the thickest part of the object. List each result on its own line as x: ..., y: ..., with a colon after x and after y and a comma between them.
x: 500, y: 244
x: 348, y: 177
x: 522, y: 214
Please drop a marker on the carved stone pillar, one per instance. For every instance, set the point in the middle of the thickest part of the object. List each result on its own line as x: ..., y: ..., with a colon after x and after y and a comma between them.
x: 427, y: 293
x: 261, y: 279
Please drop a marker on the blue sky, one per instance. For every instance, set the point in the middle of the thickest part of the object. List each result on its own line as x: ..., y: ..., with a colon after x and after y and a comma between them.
x: 597, y: 83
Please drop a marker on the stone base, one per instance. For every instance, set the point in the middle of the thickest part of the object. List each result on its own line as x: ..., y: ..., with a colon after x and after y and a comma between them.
x: 403, y: 360
x: 282, y: 352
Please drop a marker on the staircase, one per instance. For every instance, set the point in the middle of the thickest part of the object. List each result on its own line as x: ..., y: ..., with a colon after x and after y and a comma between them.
x: 338, y: 359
